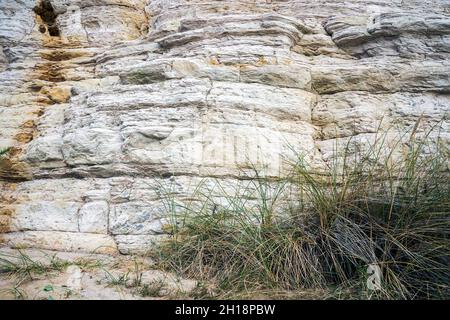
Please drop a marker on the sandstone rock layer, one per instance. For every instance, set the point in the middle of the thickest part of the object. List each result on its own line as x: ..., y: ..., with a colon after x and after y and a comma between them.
x: 103, y: 102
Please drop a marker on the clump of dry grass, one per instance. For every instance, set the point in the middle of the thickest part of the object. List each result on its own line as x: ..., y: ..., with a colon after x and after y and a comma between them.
x: 370, y: 208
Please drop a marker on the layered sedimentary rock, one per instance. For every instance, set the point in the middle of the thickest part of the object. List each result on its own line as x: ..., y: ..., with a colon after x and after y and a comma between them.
x: 106, y: 103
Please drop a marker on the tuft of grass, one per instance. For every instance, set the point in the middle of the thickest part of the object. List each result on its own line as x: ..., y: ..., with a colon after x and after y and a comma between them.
x: 137, y: 280
x: 23, y: 268
x: 88, y: 263
x: 4, y: 151
x: 386, y: 206
x: 202, y: 291
x: 153, y: 289
x: 130, y: 279
x: 120, y: 280
x: 26, y: 268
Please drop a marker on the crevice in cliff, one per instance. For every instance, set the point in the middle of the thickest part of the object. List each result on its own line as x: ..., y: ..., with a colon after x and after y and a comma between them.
x: 45, y: 10
x: 43, y: 84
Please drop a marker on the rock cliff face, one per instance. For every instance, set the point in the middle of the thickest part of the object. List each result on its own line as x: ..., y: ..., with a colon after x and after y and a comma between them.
x: 105, y: 101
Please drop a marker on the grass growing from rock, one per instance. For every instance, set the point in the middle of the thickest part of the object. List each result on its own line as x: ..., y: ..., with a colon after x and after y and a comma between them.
x: 153, y: 289
x: 25, y: 267
x: 4, y: 151
x: 22, y: 268
x: 384, y: 208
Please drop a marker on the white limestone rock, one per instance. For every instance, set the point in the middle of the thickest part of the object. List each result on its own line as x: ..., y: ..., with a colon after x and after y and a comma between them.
x: 111, y: 105
x: 93, y: 217
x: 61, y: 241
x: 46, y: 216
x: 137, y: 244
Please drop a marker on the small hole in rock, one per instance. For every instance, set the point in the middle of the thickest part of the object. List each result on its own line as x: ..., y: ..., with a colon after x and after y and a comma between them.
x: 45, y: 10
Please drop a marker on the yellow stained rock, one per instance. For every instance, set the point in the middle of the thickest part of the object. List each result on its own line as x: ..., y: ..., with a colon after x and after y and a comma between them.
x: 5, y: 222
x: 59, y: 94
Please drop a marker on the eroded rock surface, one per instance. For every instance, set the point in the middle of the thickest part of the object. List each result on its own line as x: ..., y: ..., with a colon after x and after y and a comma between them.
x: 107, y: 102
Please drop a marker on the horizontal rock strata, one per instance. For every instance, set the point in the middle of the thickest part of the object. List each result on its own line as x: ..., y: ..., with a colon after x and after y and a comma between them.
x: 106, y: 102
